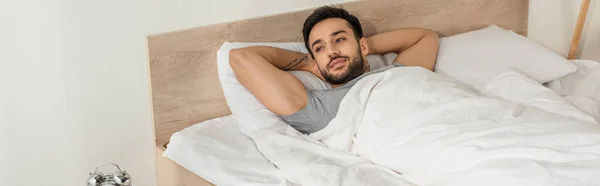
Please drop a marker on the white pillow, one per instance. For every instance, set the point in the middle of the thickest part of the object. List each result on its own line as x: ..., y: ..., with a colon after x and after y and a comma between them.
x: 243, y: 105
x: 473, y: 58
x: 581, y: 88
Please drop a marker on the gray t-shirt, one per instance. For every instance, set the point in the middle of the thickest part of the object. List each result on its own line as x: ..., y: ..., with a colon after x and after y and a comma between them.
x: 323, y: 105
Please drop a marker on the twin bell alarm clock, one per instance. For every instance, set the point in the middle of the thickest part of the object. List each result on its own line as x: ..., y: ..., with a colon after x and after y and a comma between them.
x: 118, y: 178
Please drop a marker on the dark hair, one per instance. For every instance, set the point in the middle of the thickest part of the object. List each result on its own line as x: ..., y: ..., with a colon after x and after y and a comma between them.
x: 326, y: 12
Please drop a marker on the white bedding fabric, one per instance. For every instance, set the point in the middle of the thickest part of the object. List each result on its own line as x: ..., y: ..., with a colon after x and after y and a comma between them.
x: 221, y: 154
x: 581, y: 88
x: 436, y: 132
x: 217, y: 151
x: 439, y: 133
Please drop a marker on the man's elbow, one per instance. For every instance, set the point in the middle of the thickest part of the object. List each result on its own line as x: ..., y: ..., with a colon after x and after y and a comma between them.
x: 430, y: 33
x: 434, y: 40
x: 236, y: 58
x: 431, y: 37
x: 235, y: 55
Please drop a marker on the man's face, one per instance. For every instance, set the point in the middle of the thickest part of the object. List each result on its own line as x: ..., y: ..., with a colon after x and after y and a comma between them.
x: 338, y: 54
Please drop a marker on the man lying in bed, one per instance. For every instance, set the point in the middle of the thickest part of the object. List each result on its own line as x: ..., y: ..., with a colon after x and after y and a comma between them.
x: 338, y: 53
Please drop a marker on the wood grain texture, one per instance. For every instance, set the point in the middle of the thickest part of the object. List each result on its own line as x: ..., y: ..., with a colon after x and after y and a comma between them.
x: 183, y: 68
x: 585, y: 4
x: 169, y: 173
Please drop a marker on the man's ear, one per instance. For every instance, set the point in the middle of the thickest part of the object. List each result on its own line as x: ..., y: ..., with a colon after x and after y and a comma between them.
x: 364, y: 46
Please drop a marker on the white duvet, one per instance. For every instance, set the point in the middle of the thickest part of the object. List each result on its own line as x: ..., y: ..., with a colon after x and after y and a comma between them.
x: 410, y: 126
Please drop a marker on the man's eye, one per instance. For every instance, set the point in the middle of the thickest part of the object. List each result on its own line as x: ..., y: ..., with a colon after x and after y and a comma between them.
x: 340, y: 39
x: 319, y: 49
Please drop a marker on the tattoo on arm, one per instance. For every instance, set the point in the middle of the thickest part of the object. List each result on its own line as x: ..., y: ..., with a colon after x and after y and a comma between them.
x: 295, y: 63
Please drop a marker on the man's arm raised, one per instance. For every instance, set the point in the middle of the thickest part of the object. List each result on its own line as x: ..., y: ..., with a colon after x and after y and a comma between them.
x: 261, y: 71
x: 414, y: 46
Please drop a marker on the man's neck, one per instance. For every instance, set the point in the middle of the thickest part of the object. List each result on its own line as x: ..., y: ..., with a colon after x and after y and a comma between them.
x: 336, y: 86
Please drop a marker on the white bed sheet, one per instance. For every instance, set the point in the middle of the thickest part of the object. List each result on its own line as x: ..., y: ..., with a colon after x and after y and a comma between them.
x: 220, y: 153
x: 217, y: 151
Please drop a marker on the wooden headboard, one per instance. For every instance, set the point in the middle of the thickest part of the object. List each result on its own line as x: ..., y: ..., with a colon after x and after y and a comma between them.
x: 183, y: 67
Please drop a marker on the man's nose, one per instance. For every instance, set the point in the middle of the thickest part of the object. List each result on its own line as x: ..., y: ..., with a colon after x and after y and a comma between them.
x: 333, y: 51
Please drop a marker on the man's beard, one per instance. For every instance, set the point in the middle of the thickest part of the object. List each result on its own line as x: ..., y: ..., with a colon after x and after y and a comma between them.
x: 355, y: 68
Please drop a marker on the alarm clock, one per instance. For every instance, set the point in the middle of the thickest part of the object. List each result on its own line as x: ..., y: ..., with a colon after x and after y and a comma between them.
x: 118, y: 178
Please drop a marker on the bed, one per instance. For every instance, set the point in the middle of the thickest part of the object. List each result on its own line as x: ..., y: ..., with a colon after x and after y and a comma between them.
x: 187, y: 94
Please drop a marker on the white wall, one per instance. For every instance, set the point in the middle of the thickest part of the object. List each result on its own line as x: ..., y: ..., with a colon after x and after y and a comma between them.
x: 73, y: 76
x: 74, y: 87
x: 551, y: 23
